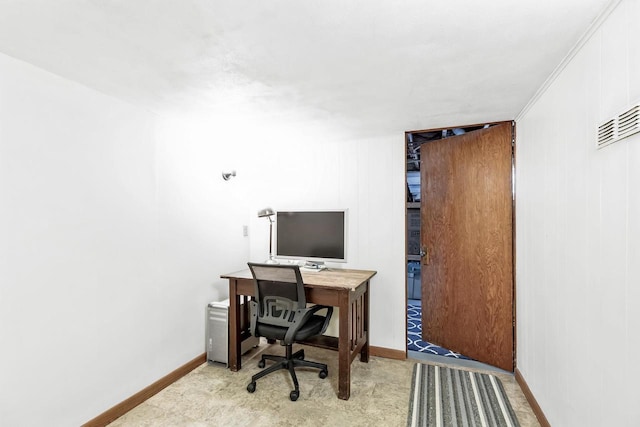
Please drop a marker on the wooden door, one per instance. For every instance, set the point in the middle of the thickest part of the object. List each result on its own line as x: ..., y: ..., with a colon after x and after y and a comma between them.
x: 466, y: 236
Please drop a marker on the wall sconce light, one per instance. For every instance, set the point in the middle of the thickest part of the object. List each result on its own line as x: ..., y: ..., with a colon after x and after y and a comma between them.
x: 227, y: 175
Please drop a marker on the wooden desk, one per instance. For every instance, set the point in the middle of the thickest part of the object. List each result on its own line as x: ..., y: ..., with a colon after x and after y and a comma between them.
x: 346, y: 289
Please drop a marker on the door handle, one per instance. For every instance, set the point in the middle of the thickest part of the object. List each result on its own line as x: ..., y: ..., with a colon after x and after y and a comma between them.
x: 424, y: 254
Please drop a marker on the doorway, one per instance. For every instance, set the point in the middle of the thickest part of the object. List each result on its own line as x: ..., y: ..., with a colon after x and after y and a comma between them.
x: 436, y: 292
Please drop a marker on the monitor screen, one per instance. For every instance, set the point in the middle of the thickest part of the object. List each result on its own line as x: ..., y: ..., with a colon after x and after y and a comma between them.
x: 312, y: 235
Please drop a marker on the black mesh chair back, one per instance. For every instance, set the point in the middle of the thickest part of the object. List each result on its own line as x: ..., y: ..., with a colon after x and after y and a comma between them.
x: 280, y: 293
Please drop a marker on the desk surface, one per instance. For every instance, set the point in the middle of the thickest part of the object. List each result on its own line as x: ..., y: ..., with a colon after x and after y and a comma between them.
x: 328, y: 278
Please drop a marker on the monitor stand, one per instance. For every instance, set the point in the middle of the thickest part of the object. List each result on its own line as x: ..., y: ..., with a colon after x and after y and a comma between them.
x: 314, y: 265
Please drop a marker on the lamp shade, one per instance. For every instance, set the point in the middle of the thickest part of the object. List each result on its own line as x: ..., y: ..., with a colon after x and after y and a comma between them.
x: 265, y: 212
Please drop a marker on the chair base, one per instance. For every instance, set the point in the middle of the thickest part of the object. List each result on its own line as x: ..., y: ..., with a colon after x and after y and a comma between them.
x: 289, y: 362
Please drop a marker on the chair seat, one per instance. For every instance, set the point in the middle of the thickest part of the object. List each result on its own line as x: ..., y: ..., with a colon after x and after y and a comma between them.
x: 312, y: 327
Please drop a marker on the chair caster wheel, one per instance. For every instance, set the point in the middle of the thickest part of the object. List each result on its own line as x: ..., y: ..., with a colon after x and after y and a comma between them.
x: 261, y: 364
x: 294, y: 395
x: 323, y: 374
x: 251, y: 387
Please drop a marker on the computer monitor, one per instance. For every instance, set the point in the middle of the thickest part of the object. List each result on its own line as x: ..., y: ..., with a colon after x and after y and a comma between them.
x: 314, y: 236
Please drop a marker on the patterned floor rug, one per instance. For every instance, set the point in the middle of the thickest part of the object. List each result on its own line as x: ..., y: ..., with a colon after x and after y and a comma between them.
x: 414, y: 335
x: 443, y: 396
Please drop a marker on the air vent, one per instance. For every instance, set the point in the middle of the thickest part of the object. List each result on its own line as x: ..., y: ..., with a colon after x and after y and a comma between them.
x: 607, y: 133
x: 629, y: 122
x: 622, y: 126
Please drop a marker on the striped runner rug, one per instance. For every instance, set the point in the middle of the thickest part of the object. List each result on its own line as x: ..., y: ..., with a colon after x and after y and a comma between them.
x: 443, y: 396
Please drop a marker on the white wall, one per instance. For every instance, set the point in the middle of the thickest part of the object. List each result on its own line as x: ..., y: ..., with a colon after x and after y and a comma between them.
x: 295, y: 161
x: 300, y: 166
x: 578, y: 235
x: 111, y: 246
x: 116, y: 225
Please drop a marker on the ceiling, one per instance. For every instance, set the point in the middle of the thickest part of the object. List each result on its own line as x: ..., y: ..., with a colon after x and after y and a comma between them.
x: 376, y: 65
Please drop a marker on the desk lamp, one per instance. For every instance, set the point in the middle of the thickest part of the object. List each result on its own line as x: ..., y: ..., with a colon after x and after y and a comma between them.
x: 268, y: 213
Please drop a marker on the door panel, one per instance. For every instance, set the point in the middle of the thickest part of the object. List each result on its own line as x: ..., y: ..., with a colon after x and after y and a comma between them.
x: 467, y: 279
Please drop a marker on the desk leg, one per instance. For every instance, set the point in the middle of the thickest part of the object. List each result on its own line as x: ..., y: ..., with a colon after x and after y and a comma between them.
x: 344, y: 348
x: 364, y: 353
x: 234, y: 326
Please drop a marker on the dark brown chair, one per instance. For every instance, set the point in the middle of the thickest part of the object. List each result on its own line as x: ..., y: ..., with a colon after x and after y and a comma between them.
x: 280, y: 312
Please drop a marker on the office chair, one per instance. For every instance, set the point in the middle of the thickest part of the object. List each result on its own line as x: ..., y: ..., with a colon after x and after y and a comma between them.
x: 279, y: 312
